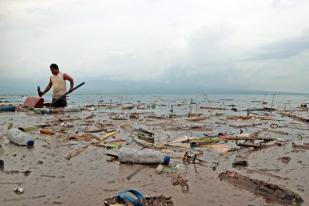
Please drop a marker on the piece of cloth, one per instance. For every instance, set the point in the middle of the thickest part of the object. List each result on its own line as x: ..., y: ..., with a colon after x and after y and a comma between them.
x: 59, y: 85
x: 61, y: 103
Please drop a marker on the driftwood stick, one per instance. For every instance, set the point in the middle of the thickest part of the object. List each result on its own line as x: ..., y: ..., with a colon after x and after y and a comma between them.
x: 267, y: 190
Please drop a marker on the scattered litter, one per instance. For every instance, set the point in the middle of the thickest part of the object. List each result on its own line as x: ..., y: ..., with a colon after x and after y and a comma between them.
x: 285, y: 159
x: 27, y: 172
x: 90, y: 116
x: 72, y: 108
x: 129, y: 106
x: 91, y: 109
x: 133, y: 197
x: 197, y: 118
x: 8, y: 108
x: 67, y: 124
x: 119, y: 117
x: 269, y: 191
x: 76, y: 152
x: 191, y: 158
x: 1, y: 165
x: 94, y: 131
x: 47, y: 131
x: 79, y: 150
x: 84, y: 137
x: 179, y: 180
x: 43, y: 111
x: 19, y: 190
x: 134, y: 116
x: 151, y: 134
x: 297, y: 146
x: 293, y: 116
x: 145, y: 156
x: 20, y: 138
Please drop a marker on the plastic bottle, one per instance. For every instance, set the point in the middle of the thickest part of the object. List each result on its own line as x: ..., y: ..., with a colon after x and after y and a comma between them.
x: 72, y: 109
x: 145, y: 156
x: 8, y: 108
x: 43, y: 111
x: 19, y: 137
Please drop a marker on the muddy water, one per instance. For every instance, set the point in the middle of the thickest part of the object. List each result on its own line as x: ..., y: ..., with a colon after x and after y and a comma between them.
x: 90, y: 177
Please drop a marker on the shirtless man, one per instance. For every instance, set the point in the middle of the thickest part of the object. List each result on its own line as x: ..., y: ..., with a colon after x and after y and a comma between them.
x: 58, y: 82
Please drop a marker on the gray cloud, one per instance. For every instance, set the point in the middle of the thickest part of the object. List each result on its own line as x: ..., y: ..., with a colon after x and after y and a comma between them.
x: 283, y: 4
x: 284, y: 48
x: 214, y: 62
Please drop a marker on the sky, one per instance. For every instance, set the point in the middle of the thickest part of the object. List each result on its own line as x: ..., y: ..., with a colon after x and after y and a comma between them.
x: 197, y: 44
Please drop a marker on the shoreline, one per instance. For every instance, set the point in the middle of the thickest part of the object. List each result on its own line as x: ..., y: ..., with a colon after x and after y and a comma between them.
x: 92, y: 176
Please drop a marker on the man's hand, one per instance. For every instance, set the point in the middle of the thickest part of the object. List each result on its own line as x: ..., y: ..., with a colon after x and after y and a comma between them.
x: 71, y: 89
x: 50, y: 84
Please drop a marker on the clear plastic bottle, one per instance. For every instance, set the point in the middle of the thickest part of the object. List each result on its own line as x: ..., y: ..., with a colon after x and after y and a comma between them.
x: 43, y: 111
x: 145, y: 156
x: 72, y: 108
x: 19, y: 137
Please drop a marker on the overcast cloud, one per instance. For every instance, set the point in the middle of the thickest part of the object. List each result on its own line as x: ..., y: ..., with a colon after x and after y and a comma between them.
x: 260, y: 44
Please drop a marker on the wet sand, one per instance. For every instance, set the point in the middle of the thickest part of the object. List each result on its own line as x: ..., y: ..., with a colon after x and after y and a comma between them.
x: 90, y: 177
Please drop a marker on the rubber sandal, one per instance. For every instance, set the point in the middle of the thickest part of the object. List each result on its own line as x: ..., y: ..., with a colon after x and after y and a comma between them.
x: 126, y: 196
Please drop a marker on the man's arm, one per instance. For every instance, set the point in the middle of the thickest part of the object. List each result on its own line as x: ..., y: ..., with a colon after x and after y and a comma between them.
x: 70, y: 79
x: 50, y: 84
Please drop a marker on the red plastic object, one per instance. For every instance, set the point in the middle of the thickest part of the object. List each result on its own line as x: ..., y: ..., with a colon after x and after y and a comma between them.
x: 36, y: 102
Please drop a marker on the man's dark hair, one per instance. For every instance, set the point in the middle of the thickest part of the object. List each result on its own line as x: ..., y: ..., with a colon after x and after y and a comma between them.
x: 54, y: 66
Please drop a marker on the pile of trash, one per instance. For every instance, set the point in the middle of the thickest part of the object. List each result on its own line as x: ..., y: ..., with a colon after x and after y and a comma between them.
x: 141, y: 134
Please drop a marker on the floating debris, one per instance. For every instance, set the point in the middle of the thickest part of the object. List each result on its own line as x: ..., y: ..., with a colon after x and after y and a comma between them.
x: 19, y: 190
x: 269, y: 191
